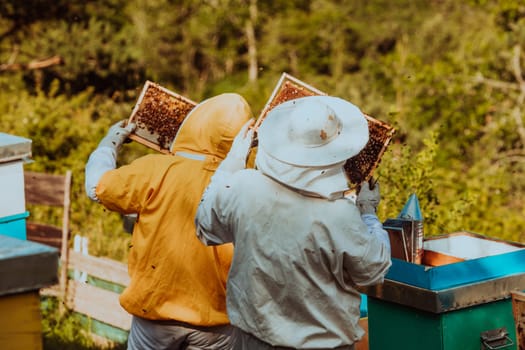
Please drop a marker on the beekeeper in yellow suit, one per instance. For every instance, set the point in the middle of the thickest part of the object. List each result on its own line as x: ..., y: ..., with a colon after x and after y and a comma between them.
x: 301, y: 245
x: 177, y: 290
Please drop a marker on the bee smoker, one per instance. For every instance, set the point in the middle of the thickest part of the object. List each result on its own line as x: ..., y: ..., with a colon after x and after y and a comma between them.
x: 406, y: 232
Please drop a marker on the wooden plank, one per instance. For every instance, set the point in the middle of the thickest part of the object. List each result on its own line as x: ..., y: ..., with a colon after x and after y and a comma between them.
x: 100, y: 304
x: 105, y: 269
x: 44, y: 189
x: 363, y: 343
x: 20, y: 322
x: 51, y: 190
x: 66, y: 202
x: 102, y: 342
x: 45, y: 234
x: 53, y: 291
x: 518, y: 311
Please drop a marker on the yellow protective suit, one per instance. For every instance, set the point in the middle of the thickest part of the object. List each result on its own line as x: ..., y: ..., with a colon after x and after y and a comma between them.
x: 173, y: 275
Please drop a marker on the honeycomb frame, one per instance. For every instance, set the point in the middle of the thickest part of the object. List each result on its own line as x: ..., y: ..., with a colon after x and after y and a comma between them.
x: 158, y: 113
x: 358, y: 168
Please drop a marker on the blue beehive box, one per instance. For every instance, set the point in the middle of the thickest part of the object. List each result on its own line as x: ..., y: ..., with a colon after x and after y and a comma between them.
x: 460, y: 258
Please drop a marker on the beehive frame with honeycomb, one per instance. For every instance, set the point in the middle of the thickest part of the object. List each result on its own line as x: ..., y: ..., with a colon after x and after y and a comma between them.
x: 158, y: 114
x: 358, y: 168
x: 287, y: 88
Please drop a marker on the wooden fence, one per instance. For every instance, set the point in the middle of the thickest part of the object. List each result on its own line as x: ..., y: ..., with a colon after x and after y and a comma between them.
x: 93, y: 288
x: 95, y: 299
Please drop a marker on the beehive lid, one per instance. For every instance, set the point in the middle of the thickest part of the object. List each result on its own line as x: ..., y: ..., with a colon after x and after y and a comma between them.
x: 26, y: 265
x: 14, y: 148
x: 158, y: 114
x: 358, y: 168
x: 466, y: 245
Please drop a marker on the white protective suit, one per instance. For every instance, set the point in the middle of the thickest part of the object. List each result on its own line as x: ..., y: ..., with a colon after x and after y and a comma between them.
x: 301, y: 248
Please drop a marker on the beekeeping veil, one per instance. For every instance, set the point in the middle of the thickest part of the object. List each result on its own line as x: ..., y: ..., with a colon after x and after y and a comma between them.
x: 304, y: 143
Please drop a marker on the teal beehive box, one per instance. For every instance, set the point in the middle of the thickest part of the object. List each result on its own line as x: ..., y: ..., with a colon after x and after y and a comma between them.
x: 14, y: 225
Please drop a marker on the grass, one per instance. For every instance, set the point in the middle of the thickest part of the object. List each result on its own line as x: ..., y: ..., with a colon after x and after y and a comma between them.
x: 68, y: 331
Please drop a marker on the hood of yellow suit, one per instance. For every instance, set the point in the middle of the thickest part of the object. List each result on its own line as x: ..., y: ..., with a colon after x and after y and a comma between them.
x: 210, y: 128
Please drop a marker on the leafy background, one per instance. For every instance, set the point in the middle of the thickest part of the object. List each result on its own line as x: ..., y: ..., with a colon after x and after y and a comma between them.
x: 449, y: 75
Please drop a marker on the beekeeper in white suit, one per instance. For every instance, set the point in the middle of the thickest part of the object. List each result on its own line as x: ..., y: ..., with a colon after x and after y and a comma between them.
x: 301, y: 246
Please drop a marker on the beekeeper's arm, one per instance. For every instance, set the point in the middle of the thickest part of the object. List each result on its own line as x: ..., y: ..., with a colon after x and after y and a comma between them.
x: 365, y: 247
x: 104, y: 157
x: 212, y: 226
x: 367, y: 202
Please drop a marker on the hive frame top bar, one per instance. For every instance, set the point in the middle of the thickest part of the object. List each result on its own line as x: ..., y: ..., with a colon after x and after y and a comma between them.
x: 149, y: 83
x: 285, y: 77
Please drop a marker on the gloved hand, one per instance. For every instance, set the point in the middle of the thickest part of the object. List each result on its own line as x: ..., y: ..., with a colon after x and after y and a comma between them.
x: 117, y: 135
x: 368, y: 199
x: 238, y: 154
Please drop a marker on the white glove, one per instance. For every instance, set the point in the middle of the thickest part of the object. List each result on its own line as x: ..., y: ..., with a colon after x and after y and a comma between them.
x: 368, y: 199
x: 117, y: 135
x: 104, y: 157
x: 238, y: 154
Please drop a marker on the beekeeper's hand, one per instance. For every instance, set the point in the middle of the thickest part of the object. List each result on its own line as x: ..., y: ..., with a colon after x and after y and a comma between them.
x: 117, y: 135
x: 238, y: 154
x: 104, y: 157
x: 368, y: 199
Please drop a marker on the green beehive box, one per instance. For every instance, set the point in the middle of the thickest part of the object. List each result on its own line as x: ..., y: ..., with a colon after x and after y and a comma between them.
x: 461, y: 305
x: 393, y: 326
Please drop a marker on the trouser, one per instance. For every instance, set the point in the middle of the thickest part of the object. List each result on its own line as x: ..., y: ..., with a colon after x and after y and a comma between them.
x: 246, y: 341
x: 172, y: 335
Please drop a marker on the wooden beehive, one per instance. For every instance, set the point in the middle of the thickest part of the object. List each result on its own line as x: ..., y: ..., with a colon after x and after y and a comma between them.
x: 158, y: 114
x: 358, y: 168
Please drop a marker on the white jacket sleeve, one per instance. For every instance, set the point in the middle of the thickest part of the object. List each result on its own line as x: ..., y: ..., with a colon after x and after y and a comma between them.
x: 104, y: 157
x: 212, y: 227
x: 375, y: 227
x: 101, y: 160
x: 210, y: 224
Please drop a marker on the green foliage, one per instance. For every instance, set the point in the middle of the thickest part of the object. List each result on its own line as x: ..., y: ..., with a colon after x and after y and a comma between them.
x: 451, y: 90
x: 65, y: 331
x: 457, y: 143
x: 64, y: 130
x: 447, y: 74
x: 403, y: 173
